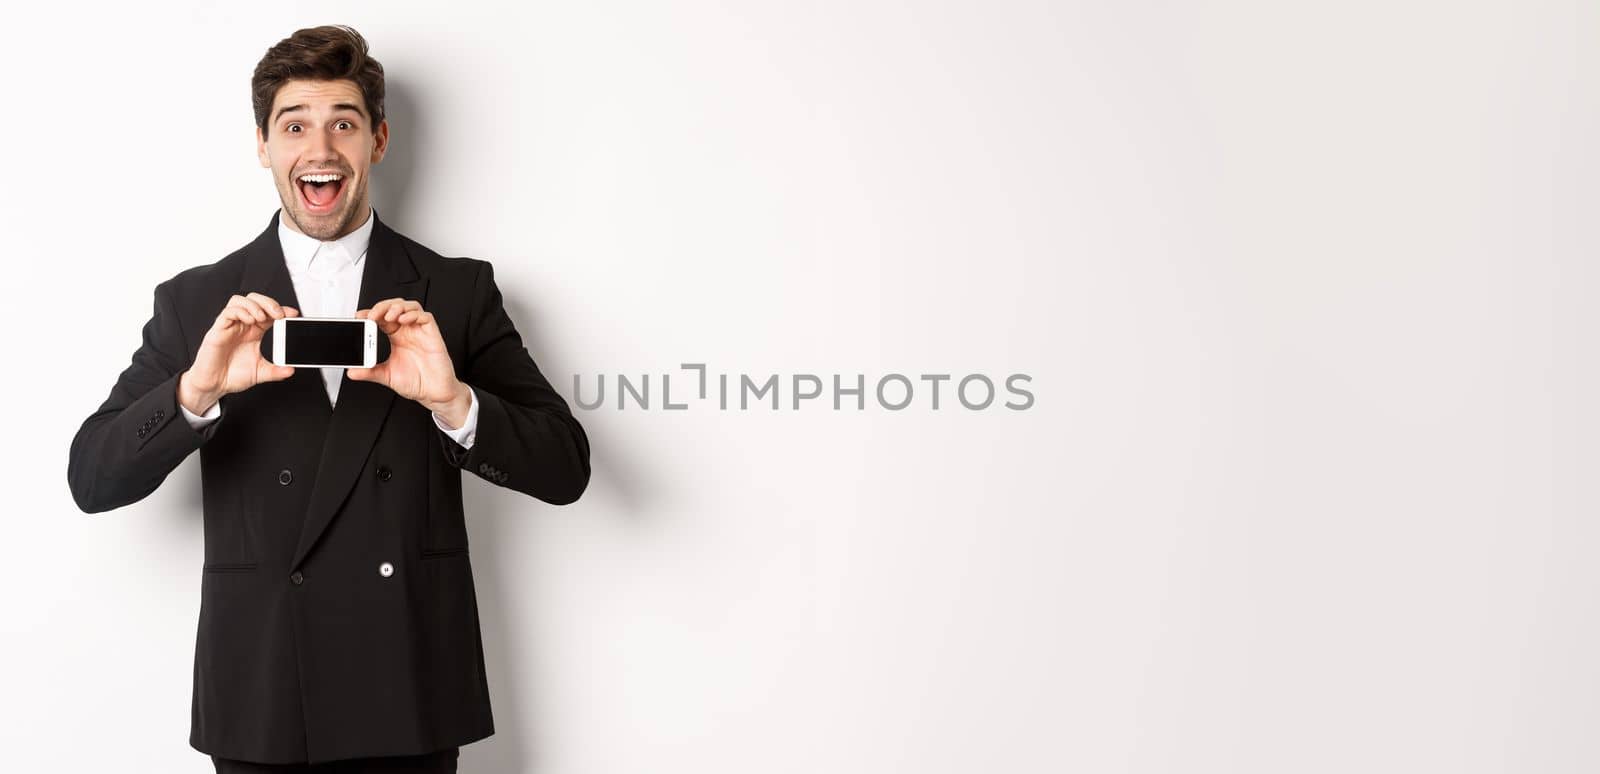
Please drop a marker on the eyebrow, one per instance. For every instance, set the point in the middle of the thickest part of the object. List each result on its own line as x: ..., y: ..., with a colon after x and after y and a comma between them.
x: 336, y: 108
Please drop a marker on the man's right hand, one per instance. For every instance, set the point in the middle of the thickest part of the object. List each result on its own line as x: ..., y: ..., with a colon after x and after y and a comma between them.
x: 229, y: 359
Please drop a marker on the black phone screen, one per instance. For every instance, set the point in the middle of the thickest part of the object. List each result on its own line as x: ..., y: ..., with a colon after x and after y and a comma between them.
x: 324, y: 342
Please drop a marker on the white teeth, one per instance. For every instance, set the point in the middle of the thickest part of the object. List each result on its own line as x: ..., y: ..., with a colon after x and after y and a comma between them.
x: 328, y: 178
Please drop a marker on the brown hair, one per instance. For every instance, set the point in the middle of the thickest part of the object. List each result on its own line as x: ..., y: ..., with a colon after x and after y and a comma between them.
x: 326, y: 53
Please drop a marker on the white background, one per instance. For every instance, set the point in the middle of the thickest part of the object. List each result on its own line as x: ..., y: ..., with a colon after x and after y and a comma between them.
x: 1304, y: 289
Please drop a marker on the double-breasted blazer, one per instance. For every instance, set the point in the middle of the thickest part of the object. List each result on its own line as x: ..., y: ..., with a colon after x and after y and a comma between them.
x: 338, y: 617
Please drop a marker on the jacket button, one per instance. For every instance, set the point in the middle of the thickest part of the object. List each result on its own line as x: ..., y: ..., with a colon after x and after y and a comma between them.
x: 501, y: 477
x: 385, y: 569
x: 384, y: 473
x: 284, y: 476
x: 139, y: 432
x: 483, y: 467
x: 297, y: 578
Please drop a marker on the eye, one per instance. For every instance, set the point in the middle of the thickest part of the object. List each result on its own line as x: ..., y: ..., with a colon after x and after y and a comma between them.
x: 292, y: 128
x: 344, y: 125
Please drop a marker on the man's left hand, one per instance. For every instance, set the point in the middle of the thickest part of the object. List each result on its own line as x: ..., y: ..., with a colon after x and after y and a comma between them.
x: 419, y: 366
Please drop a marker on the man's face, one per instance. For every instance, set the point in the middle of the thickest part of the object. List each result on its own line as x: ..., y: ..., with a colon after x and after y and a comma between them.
x: 321, y: 129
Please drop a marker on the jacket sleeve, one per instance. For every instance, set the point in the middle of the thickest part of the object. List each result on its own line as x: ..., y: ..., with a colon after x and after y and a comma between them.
x: 527, y: 438
x: 126, y: 448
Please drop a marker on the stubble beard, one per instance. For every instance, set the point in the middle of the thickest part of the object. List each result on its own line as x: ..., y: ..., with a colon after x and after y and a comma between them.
x: 318, y: 228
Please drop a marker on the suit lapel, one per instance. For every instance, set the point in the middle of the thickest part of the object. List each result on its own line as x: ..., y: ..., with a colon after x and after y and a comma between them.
x: 266, y: 272
x: 362, y: 406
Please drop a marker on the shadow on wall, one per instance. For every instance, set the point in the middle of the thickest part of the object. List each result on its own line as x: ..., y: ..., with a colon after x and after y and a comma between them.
x: 393, y: 177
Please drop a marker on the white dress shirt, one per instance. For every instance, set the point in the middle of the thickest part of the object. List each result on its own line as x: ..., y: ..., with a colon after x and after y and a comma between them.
x: 327, y: 282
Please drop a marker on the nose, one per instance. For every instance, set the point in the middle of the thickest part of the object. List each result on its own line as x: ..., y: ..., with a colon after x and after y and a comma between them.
x: 319, y: 148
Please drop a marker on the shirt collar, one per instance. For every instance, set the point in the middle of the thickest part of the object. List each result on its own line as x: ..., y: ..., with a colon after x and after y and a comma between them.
x: 302, y: 252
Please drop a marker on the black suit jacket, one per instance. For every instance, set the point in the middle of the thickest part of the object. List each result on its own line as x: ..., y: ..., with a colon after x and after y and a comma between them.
x: 305, y: 650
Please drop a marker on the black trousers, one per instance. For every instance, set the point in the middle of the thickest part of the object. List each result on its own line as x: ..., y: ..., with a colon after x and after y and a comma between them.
x: 438, y: 762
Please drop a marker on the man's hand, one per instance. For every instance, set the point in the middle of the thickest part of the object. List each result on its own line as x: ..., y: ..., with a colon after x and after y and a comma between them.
x: 229, y: 359
x: 419, y: 366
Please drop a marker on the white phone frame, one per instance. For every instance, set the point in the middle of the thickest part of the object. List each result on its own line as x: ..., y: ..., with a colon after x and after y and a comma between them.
x: 369, y: 351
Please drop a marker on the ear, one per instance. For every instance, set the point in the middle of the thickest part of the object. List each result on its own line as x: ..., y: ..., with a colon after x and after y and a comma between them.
x: 261, y: 150
x: 380, y: 141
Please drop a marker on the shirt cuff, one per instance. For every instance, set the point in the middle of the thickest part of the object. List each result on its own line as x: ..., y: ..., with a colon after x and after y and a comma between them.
x: 198, y: 421
x: 468, y: 431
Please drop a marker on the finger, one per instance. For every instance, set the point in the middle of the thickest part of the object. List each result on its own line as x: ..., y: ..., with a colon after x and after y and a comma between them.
x: 385, y: 309
x: 263, y: 320
x: 415, y: 317
x: 291, y: 311
x: 243, y: 302
x: 234, y: 316
x: 266, y: 303
x: 379, y: 308
x: 379, y: 374
x: 254, y: 307
x: 386, y: 327
x: 394, y: 312
x: 244, y: 318
x: 234, y: 302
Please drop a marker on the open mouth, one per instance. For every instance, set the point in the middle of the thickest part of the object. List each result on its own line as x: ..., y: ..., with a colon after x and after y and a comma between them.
x: 319, y: 191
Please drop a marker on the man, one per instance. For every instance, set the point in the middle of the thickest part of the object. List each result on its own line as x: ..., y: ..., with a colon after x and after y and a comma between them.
x: 338, y: 625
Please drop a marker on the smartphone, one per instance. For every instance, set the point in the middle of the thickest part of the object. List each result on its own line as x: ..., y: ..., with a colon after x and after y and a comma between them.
x: 324, y: 342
